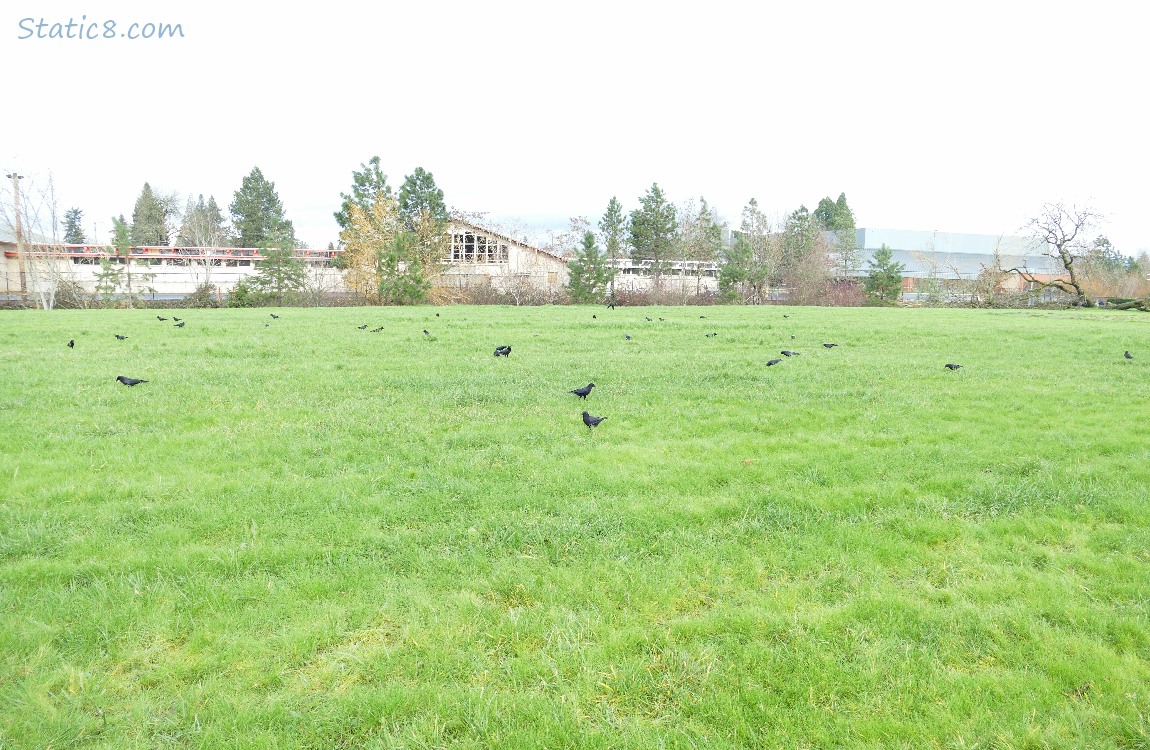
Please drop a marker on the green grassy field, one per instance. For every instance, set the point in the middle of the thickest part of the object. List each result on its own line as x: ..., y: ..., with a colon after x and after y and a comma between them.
x: 305, y: 535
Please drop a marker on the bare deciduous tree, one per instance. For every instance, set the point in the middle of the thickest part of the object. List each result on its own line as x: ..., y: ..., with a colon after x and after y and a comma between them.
x: 1063, y: 230
x: 30, y: 213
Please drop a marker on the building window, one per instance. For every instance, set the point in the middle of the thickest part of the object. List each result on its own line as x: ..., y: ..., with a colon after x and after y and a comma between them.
x: 552, y: 277
x: 469, y: 247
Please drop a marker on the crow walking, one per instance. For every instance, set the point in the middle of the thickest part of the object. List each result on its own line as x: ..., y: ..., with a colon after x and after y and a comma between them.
x: 362, y: 327
x: 1128, y: 355
x: 161, y: 319
x: 129, y: 381
x: 952, y: 367
x: 71, y: 343
x: 503, y: 351
x: 788, y: 353
x: 591, y: 421
x: 274, y: 316
x: 830, y: 346
x: 179, y: 325
x: 121, y: 338
x: 773, y: 362
x: 584, y: 391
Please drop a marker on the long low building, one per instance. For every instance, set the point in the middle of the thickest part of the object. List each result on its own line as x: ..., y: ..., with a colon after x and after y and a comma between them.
x: 477, y: 257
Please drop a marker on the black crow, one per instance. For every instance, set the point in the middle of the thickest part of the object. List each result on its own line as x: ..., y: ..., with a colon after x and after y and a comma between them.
x: 71, y: 343
x: 792, y: 338
x: 129, y: 381
x: 830, y: 346
x: 376, y: 330
x: 362, y: 327
x: 646, y: 318
x: 952, y: 366
x: 176, y: 319
x: 1128, y: 355
x: 502, y: 351
x: 591, y: 421
x: 121, y: 338
x: 584, y: 391
x: 786, y: 316
x: 711, y: 335
x: 702, y: 317
x: 773, y: 362
x: 595, y: 317
x: 788, y: 353
x: 627, y: 336
x: 437, y: 315
x: 161, y: 319
x: 426, y: 332
x: 274, y: 315
x: 662, y: 320
x: 179, y: 325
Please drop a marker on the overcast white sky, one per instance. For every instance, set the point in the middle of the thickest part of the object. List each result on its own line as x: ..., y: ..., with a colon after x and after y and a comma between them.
x: 966, y: 117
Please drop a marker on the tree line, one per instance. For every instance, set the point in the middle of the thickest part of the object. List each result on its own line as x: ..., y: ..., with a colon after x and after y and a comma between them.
x: 808, y: 253
x: 393, y: 243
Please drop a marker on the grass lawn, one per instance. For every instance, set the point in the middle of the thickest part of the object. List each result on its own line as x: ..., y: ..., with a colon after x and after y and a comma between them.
x: 300, y: 534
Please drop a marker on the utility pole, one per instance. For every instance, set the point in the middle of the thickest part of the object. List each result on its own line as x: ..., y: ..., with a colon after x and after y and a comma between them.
x: 21, y: 253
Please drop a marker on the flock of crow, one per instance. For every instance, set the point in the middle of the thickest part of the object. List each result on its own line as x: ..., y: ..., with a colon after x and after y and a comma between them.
x: 505, y: 351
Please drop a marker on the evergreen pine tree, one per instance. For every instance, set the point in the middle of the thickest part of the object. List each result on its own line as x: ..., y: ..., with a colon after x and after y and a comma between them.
x: 653, y: 228
x: 73, y: 228
x: 149, y: 219
x: 420, y: 200
x: 612, y: 232
x: 203, y: 225
x: 883, y: 282
x: 258, y: 215
x: 364, y: 187
x: 588, y: 273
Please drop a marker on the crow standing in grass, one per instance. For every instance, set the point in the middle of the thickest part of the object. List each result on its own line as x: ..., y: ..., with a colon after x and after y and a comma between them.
x: 584, y: 391
x: 161, y: 319
x: 176, y: 319
x: 627, y: 336
x: 591, y: 421
x: 71, y: 343
x: 179, y: 325
x: 121, y: 338
x: 503, y: 351
x: 788, y: 353
x: 362, y: 327
x: 830, y: 346
x: 952, y: 367
x: 129, y: 381
x: 1128, y: 355
x: 773, y: 362
x: 274, y: 316
x: 426, y: 332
